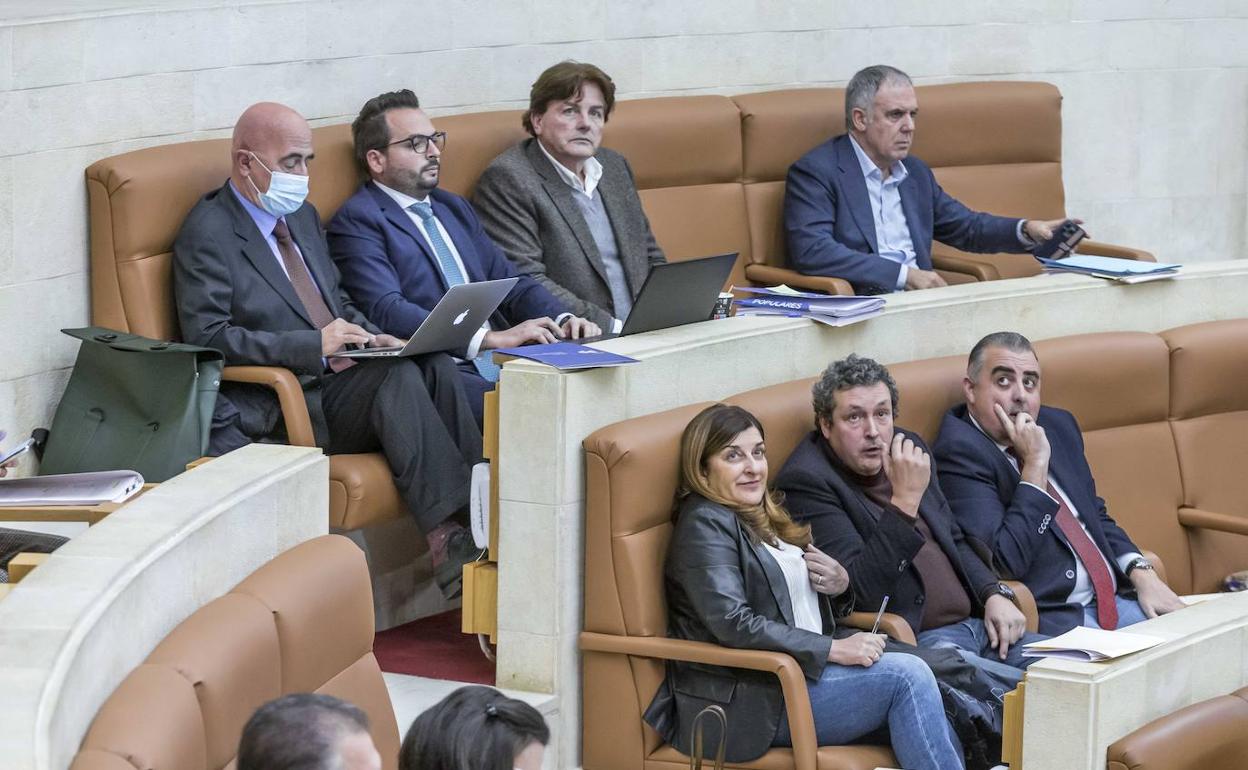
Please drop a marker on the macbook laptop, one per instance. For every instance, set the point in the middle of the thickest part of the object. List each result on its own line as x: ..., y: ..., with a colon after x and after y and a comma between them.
x: 451, y: 325
x: 676, y: 293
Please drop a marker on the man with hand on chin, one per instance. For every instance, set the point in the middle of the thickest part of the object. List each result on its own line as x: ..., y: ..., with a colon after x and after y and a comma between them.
x: 867, y: 492
x: 1017, y: 478
x: 253, y: 278
x: 401, y: 243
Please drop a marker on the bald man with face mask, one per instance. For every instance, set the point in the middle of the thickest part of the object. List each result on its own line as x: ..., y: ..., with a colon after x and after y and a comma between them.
x: 253, y: 279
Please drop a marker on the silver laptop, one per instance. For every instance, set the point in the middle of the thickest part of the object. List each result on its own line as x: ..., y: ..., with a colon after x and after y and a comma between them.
x: 451, y: 325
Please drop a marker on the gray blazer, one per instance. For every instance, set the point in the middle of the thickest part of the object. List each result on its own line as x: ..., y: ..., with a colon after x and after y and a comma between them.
x: 528, y: 210
x: 232, y: 295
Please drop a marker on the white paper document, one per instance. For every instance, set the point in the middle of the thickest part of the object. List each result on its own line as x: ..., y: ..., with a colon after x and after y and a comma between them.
x: 1090, y: 644
x: 70, y: 489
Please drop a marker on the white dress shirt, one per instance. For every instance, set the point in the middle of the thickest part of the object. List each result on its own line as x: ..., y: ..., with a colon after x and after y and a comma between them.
x: 801, y: 593
x: 1083, y: 592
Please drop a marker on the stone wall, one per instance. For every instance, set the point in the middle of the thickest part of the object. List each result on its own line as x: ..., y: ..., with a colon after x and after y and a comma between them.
x: 1156, y: 106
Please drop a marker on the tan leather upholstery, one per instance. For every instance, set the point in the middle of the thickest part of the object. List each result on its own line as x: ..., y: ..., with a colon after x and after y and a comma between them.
x: 1204, y: 736
x: 631, y: 475
x: 1209, y: 410
x: 301, y: 623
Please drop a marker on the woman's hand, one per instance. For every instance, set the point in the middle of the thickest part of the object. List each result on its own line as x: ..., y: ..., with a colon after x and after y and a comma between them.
x: 827, y: 576
x: 861, y: 649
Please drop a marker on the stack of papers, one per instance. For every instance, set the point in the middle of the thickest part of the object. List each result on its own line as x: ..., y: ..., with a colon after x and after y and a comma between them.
x: 825, y: 309
x: 1090, y: 644
x: 1112, y: 268
x: 565, y: 356
x: 70, y: 489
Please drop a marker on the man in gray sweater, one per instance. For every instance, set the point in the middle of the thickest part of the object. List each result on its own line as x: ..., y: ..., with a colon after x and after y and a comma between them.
x: 565, y: 210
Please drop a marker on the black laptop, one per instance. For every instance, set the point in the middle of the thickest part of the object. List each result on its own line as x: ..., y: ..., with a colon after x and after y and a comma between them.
x: 676, y: 293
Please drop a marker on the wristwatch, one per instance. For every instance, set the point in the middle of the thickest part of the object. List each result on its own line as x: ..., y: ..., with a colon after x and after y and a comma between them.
x: 1138, y: 563
x: 1001, y: 589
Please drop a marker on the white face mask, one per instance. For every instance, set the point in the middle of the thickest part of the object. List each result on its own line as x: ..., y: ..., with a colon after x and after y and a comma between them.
x: 286, y: 192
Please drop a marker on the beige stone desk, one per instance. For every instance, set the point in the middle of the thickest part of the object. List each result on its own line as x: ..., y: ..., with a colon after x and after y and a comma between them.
x: 1074, y: 710
x: 546, y: 414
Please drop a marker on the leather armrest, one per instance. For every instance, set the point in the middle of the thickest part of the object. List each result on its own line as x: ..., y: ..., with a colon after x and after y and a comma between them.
x: 792, y: 680
x: 1155, y: 560
x: 981, y: 271
x: 289, y: 397
x: 767, y: 275
x: 1026, y: 603
x: 893, y: 625
x: 1219, y: 522
x: 1099, y: 249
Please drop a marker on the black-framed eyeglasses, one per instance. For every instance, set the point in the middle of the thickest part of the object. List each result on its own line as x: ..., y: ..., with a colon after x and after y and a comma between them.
x: 420, y: 143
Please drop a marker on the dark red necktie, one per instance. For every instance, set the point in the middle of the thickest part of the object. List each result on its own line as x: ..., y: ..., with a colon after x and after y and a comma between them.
x: 305, y: 288
x: 1088, y: 553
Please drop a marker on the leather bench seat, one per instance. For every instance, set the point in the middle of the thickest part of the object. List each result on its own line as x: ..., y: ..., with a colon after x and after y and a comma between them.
x: 301, y: 623
x: 1165, y: 421
x: 1204, y: 736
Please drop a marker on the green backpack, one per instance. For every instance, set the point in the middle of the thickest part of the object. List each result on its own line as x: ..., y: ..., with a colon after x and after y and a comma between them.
x: 133, y: 403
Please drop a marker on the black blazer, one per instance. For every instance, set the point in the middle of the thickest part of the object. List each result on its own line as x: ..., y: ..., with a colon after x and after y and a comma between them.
x: 1015, y: 519
x: 877, y: 551
x: 232, y: 295
x: 725, y: 589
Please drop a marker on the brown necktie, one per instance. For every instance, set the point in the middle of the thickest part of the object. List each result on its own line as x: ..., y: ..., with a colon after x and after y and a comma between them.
x: 305, y: 287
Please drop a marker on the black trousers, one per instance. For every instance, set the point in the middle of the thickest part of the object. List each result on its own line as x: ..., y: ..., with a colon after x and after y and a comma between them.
x: 475, y: 388
x: 415, y: 411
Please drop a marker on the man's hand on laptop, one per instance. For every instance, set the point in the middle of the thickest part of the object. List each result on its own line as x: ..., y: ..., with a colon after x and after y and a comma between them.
x: 535, y: 330
x: 339, y: 333
x: 576, y: 328
x: 387, y: 341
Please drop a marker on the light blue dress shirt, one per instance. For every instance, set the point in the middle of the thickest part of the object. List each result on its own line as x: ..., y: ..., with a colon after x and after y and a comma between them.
x: 892, y: 233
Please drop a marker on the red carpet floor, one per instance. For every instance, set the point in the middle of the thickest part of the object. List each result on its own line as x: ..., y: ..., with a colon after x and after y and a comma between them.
x: 433, y: 647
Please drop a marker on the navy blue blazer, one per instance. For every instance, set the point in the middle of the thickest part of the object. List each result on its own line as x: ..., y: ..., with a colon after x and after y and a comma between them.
x: 831, y: 230
x: 1016, y: 520
x: 877, y: 550
x: 389, y: 269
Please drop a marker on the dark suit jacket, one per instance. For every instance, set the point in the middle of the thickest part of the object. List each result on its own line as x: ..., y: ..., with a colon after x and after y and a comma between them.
x: 1016, y: 520
x: 876, y: 551
x: 725, y: 589
x: 831, y: 230
x: 388, y: 267
x: 232, y: 295
x: 530, y: 213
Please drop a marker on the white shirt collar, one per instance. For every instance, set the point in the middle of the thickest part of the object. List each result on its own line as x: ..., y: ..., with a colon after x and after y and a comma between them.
x: 897, y: 174
x: 593, y: 172
x: 404, y: 200
x: 975, y: 422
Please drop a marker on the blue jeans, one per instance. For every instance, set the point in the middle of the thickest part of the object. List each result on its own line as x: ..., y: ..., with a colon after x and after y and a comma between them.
x: 970, y: 638
x: 899, y: 692
x: 1129, y: 613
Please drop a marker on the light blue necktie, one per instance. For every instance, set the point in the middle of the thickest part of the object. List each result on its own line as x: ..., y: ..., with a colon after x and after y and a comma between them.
x: 484, y: 362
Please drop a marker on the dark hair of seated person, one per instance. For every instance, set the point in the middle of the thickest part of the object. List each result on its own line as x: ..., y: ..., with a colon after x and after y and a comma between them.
x: 473, y: 728
x: 563, y: 81
x: 301, y: 731
x: 706, y: 434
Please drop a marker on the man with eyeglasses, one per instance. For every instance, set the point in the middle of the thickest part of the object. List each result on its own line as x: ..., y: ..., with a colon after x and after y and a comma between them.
x: 401, y: 243
x: 565, y: 210
x: 253, y: 278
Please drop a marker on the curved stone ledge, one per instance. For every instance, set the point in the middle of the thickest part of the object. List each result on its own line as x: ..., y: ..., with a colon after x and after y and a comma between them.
x: 79, y: 623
